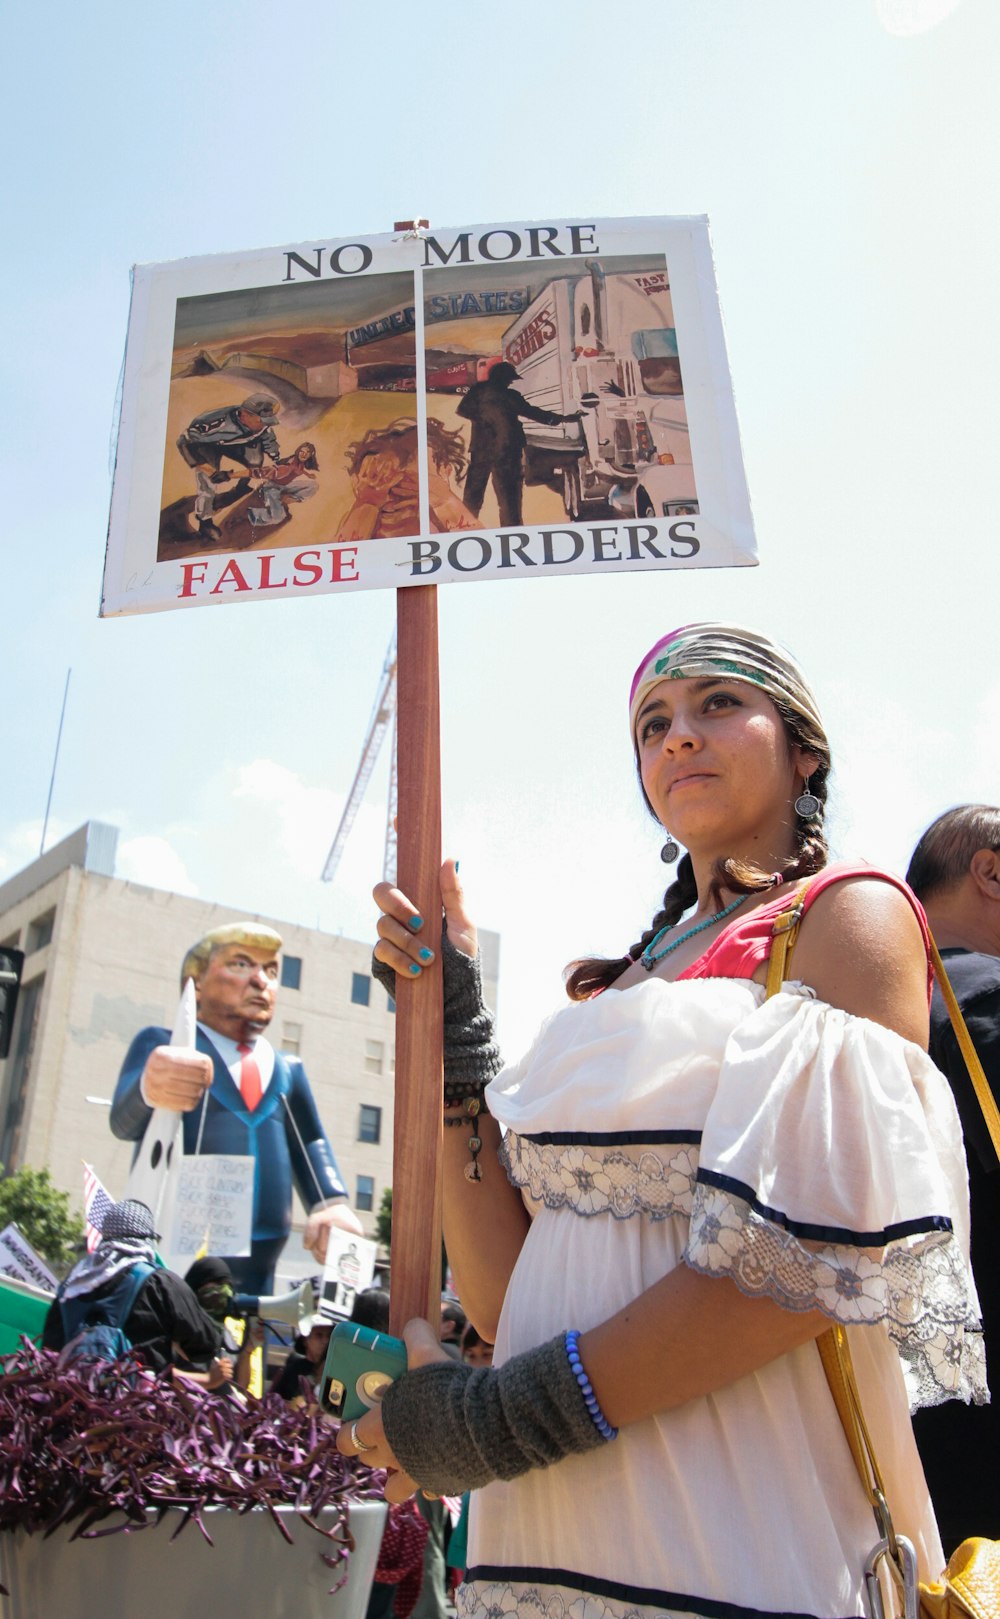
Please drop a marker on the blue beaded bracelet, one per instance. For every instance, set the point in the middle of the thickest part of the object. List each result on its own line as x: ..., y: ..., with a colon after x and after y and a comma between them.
x: 597, y: 1416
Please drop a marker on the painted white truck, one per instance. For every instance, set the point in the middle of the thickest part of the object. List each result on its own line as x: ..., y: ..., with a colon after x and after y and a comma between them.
x: 606, y: 344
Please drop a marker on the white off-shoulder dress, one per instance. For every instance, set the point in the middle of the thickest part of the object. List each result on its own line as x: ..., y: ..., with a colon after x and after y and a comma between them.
x: 815, y: 1159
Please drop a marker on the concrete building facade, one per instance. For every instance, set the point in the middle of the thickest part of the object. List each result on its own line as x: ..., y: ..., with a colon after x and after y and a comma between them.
x: 102, y: 961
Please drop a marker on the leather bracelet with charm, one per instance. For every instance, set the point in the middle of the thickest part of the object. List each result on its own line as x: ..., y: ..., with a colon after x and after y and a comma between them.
x: 471, y: 1108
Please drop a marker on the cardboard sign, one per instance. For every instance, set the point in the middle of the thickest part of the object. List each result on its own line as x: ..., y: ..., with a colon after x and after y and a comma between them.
x: 18, y: 1259
x: 213, y: 1211
x: 349, y: 1269
x: 483, y: 403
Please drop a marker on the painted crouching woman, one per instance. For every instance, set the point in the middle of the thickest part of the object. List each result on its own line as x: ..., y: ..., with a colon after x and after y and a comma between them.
x: 717, y: 1176
x: 383, y: 469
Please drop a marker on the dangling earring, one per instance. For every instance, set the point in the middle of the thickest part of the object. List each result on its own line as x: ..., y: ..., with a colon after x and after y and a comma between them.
x: 807, y: 805
x: 670, y: 851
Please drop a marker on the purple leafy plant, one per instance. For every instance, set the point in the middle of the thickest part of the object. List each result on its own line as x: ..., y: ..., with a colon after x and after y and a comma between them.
x: 108, y: 1445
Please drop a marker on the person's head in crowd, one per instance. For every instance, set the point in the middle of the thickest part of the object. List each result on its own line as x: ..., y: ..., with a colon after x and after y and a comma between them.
x: 371, y: 1309
x: 129, y: 1222
x: 475, y: 1350
x: 452, y: 1321
x: 211, y: 1281
x: 235, y: 971
x: 955, y: 873
x: 315, y: 1332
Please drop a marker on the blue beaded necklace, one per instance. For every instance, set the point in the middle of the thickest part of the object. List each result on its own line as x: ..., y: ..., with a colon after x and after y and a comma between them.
x: 649, y: 960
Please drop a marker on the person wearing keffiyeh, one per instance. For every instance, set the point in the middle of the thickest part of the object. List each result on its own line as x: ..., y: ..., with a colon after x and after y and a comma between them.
x: 165, y: 1313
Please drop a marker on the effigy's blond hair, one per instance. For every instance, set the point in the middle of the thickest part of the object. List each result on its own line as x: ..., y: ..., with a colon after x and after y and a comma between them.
x: 253, y: 936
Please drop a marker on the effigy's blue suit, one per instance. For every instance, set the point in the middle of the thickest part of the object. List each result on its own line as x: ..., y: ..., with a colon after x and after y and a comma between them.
x: 268, y: 1134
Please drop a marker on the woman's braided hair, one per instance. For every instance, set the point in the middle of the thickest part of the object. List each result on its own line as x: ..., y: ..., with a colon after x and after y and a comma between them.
x: 590, y: 974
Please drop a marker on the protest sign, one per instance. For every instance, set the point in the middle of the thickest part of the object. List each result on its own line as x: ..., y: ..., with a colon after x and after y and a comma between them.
x: 213, y: 1208
x: 18, y: 1259
x: 349, y: 1269
x: 485, y: 403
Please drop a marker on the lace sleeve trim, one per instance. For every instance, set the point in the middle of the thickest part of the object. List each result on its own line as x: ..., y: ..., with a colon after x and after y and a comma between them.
x: 919, y: 1287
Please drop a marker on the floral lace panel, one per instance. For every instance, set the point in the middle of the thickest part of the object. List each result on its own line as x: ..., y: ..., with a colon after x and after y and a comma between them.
x: 500, y: 1600
x: 918, y: 1287
x: 604, y: 1180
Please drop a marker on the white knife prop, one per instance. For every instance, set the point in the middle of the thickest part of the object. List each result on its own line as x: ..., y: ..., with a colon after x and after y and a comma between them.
x: 153, y: 1177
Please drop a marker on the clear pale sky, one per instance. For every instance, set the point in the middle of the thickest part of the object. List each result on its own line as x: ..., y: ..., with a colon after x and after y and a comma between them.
x: 850, y: 175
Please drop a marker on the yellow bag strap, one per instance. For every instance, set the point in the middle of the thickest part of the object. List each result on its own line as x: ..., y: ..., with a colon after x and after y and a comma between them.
x: 833, y: 1347
x: 784, y: 933
x: 835, y: 1353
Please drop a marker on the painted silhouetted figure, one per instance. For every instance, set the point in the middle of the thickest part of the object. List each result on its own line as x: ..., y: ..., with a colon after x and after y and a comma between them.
x: 495, y: 410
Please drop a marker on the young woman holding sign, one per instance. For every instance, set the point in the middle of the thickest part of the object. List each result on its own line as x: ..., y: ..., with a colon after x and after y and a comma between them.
x: 679, y: 1188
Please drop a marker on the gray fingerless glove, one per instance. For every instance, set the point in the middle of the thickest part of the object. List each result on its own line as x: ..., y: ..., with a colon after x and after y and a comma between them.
x: 471, y: 1054
x: 454, y: 1428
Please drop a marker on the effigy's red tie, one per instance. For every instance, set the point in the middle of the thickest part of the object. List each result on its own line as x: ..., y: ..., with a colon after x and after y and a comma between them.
x: 250, y: 1086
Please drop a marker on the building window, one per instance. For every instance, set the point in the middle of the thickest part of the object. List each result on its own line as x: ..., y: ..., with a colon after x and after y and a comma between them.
x: 392, y: 1004
x: 291, y: 1038
x: 11, y: 943
x: 374, y: 1056
x: 370, y: 1124
x: 40, y: 931
x: 364, y: 1197
x: 361, y: 989
x: 291, y: 972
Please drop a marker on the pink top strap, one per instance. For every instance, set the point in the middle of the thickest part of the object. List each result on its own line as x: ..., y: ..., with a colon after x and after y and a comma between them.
x: 742, y: 946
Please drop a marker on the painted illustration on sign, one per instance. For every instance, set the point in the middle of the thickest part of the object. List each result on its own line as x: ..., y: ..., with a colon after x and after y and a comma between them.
x: 567, y: 387
x: 266, y: 410
x: 494, y: 402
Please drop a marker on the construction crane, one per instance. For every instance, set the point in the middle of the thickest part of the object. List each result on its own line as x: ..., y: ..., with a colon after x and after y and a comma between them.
x: 383, y: 721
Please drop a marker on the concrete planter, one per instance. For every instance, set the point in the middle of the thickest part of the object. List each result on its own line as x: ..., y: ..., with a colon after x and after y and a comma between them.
x: 250, y: 1570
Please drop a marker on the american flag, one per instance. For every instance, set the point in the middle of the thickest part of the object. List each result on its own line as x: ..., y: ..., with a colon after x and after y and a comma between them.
x: 96, y: 1203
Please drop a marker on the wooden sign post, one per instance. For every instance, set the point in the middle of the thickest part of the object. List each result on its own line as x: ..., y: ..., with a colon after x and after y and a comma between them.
x: 418, y: 1129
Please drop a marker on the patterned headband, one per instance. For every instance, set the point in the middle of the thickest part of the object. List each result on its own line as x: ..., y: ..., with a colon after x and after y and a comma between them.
x: 698, y: 650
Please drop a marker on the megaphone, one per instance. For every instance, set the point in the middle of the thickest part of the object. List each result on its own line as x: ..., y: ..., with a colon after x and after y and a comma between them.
x: 291, y: 1309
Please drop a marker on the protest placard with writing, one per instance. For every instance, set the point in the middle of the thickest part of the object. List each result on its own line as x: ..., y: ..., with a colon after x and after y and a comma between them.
x: 213, y: 1209
x: 18, y: 1259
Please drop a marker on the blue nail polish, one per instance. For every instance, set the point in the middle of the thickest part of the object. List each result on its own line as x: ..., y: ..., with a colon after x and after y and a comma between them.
x: 457, y: 864
x: 415, y: 922
x: 426, y: 955
x: 414, y: 968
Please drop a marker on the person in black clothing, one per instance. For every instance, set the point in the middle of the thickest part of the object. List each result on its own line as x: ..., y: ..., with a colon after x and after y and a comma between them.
x: 495, y: 409
x: 955, y: 873
x: 211, y: 1282
x: 165, y: 1311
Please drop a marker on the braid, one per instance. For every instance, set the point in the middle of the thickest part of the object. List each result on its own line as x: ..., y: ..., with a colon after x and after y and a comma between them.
x: 679, y: 897
x: 812, y: 853
x: 585, y: 977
